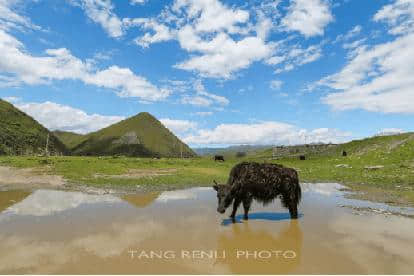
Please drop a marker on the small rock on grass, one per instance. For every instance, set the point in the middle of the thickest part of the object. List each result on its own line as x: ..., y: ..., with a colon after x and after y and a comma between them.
x: 374, y: 167
x: 343, y: 166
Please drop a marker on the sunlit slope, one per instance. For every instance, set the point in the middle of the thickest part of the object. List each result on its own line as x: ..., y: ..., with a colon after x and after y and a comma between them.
x: 381, y: 162
x: 69, y: 139
x: 20, y: 134
x: 140, y: 135
x: 395, y: 147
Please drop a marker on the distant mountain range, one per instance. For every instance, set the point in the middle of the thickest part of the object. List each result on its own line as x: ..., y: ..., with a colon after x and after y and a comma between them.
x: 141, y: 135
x: 232, y: 150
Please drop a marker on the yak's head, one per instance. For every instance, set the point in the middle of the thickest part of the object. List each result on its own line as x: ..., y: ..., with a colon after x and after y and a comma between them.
x: 224, y: 196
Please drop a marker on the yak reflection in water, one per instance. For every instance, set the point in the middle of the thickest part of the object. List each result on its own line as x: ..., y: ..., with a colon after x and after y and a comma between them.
x: 259, y: 251
x: 141, y: 200
x: 60, y: 232
x: 9, y: 198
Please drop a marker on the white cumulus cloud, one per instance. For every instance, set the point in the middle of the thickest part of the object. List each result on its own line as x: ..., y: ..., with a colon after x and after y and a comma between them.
x: 10, y: 19
x: 220, y: 39
x: 101, y: 12
x: 19, y: 66
x: 62, y: 117
x: 398, y: 15
x: 264, y: 133
x: 379, y: 78
x: 202, y: 97
x: 288, y: 57
x: 205, y: 29
x: 355, y: 31
x: 179, y: 127
x: 156, y: 32
x: 309, y: 17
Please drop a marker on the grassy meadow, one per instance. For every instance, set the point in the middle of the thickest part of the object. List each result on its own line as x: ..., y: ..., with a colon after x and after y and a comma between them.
x: 127, y: 172
x: 393, y: 182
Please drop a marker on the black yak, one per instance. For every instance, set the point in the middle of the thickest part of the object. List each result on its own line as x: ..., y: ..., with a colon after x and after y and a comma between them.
x: 218, y: 158
x: 302, y: 157
x: 344, y: 153
x: 262, y: 182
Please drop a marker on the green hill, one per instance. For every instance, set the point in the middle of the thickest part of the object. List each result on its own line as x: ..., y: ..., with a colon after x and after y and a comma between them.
x: 369, y: 148
x: 69, y: 139
x: 20, y: 134
x: 141, y: 135
x: 372, y: 165
x: 393, y: 145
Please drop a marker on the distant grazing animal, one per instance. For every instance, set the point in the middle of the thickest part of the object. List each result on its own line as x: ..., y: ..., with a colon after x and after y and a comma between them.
x: 219, y: 158
x: 302, y: 157
x: 344, y: 153
x: 260, y: 181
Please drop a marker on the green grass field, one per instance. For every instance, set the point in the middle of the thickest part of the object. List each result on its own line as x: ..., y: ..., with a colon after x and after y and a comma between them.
x: 393, y: 183
x: 103, y: 171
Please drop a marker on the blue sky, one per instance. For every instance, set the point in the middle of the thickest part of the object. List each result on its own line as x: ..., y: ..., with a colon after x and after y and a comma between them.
x: 214, y: 72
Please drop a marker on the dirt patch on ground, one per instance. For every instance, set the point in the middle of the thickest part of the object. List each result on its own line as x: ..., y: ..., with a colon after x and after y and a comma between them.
x: 208, y: 171
x: 40, y: 178
x: 364, y: 210
x: 376, y: 194
x: 139, y: 173
x: 28, y: 178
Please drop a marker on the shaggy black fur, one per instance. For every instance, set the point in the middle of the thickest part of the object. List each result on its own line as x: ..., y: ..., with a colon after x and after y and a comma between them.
x: 302, y: 157
x: 262, y: 182
x: 344, y: 153
x: 219, y: 158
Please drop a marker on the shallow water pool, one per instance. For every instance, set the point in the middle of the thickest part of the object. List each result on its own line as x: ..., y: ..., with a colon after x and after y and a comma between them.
x: 180, y: 232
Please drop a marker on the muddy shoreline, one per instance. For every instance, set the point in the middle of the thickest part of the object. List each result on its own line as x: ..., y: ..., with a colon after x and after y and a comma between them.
x: 28, y: 178
x: 33, y: 179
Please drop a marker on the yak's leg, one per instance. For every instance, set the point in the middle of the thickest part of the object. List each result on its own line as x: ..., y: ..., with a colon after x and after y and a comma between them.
x: 293, y: 210
x: 236, y: 204
x: 291, y: 205
x: 246, y: 205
